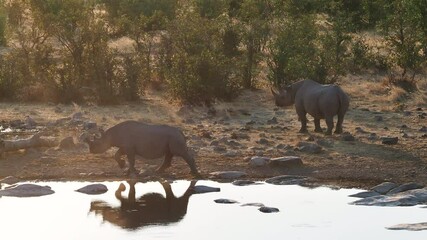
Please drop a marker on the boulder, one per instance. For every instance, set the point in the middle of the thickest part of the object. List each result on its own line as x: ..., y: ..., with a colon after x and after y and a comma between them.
x: 67, y: 143
x: 225, y: 201
x: 408, y: 198
x: 286, y: 180
x: 405, y: 187
x: 26, y: 190
x: 93, y: 189
x: 309, y: 147
x: 243, y: 182
x: 365, y: 194
x: 410, y: 227
x: 346, y: 136
x: 384, y: 187
x: 389, y: 140
x: 228, y: 174
x: 286, y: 161
x: 257, y: 161
x: 268, y: 209
x: 205, y: 189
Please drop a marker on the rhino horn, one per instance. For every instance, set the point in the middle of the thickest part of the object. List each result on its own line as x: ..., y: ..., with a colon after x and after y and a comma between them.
x: 274, y: 92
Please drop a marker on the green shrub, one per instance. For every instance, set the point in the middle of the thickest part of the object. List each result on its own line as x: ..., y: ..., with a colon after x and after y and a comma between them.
x: 197, y: 69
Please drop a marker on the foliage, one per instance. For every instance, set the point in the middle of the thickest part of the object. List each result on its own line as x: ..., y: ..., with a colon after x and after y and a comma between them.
x: 198, y: 70
x: 293, y: 51
x: 201, y: 50
x: 403, y: 30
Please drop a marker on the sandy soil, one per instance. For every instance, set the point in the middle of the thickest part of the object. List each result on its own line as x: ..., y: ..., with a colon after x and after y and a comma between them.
x: 227, y: 135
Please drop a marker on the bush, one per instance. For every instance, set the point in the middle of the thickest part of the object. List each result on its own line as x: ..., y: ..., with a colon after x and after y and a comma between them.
x: 293, y: 51
x: 197, y: 69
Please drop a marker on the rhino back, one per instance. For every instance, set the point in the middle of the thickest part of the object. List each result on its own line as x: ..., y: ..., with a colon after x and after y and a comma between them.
x: 320, y: 100
x: 150, y: 141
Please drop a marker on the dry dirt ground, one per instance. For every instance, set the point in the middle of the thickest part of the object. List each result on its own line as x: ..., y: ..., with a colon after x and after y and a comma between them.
x: 225, y: 136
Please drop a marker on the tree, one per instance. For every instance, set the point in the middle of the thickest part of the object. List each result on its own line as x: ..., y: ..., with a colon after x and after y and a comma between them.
x: 254, y: 22
x: 404, y: 31
x: 196, y: 67
x: 293, y: 51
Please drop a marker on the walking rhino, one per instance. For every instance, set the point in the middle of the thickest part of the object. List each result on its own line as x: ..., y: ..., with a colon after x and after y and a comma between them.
x: 148, y: 141
x: 320, y: 101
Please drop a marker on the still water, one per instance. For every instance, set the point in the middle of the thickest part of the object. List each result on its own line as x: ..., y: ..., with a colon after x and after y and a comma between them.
x: 145, y: 213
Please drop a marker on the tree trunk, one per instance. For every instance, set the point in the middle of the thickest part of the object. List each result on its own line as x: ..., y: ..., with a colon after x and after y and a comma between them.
x: 31, y: 142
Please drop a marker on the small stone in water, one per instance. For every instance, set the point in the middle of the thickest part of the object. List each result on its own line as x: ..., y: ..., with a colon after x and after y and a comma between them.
x: 268, y: 209
x: 225, y: 201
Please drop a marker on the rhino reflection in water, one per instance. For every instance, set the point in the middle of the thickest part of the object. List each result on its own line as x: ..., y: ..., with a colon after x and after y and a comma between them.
x: 149, y: 209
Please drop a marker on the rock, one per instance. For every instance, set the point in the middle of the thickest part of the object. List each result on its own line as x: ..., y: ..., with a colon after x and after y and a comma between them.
x: 206, y: 134
x: 205, y: 189
x: 384, y: 187
x: 389, y: 140
x: 67, y: 143
x: 423, y: 129
x: 286, y: 161
x: 10, y: 180
x: 259, y: 161
x: 346, y: 136
x: 263, y: 141
x: 268, y: 209
x: 372, y: 137
x: 219, y: 149
x: 93, y: 189
x: 325, y: 142
x: 77, y: 116
x: 243, y: 182
x: 252, y: 205
x: 286, y: 180
x: 282, y: 146
x: 214, y: 143
x: 410, y: 227
x: 225, y: 201
x: 16, y: 123
x: 272, y: 121
x: 309, y: 147
x: 310, y: 138
x: 378, y: 118
x: 231, y: 154
x: 360, y: 130
x: 89, y: 125
x: 407, y: 198
x: 30, y: 123
x: 405, y: 187
x: 365, y: 194
x: 26, y: 190
x: 228, y: 174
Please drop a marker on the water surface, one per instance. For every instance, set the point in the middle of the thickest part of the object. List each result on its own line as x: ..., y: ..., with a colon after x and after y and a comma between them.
x: 169, y: 211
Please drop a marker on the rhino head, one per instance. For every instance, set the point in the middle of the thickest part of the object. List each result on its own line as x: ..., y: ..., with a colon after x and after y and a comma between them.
x: 98, y: 144
x: 283, y: 97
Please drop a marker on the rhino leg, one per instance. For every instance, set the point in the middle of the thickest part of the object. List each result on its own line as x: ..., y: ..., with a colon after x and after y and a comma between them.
x: 317, y: 125
x: 303, y: 124
x: 190, y: 161
x: 167, y: 162
x: 302, y: 117
x: 118, y: 159
x: 338, y: 128
x: 131, y: 161
x: 330, y: 123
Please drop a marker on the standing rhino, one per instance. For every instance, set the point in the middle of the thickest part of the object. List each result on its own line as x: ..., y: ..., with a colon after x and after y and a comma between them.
x: 148, y: 141
x: 320, y: 101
